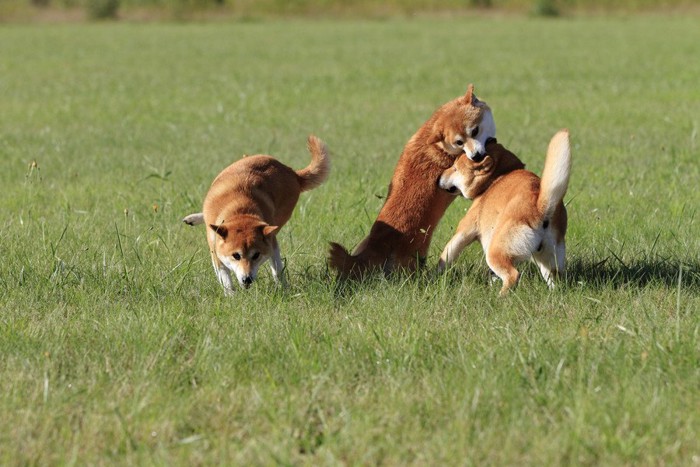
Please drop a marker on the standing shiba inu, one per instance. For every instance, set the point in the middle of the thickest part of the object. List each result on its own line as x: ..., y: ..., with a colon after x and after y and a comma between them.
x: 515, y: 215
x: 401, y: 235
x: 247, y: 204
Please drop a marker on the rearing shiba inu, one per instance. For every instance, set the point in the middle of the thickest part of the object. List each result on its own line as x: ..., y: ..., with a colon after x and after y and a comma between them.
x: 247, y: 204
x: 515, y: 215
x: 400, y: 237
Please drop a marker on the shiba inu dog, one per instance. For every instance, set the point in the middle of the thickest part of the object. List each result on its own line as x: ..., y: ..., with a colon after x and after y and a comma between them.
x: 515, y: 215
x: 247, y: 204
x: 401, y: 235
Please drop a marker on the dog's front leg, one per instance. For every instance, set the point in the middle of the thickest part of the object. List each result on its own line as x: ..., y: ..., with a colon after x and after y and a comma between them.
x: 225, y: 280
x: 277, y: 266
x: 224, y: 276
x: 465, y: 235
x: 453, y: 249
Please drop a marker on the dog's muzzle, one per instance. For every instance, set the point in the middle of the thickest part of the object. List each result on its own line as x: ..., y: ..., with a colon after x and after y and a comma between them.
x: 478, y: 157
x: 452, y: 189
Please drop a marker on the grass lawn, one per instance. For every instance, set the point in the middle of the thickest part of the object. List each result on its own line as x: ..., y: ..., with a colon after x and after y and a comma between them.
x: 118, y: 345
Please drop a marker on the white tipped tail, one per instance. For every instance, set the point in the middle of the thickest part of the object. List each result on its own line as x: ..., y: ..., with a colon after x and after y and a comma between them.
x: 317, y: 171
x: 194, y: 219
x: 555, y: 176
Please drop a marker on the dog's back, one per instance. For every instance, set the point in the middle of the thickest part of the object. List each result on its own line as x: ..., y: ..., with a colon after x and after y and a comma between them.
x: 259, y: 185
x: 264, y: 185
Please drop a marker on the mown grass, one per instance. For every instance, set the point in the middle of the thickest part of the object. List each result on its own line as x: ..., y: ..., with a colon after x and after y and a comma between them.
x: 118, y: 345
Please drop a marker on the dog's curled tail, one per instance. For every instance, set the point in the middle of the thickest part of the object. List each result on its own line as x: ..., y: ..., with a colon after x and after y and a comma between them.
x: 317, y: 171
x: 555, y: 176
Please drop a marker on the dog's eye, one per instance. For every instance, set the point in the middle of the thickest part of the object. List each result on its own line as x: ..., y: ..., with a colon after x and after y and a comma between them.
x: 474, y: 132
x: 459, y: 142
x: 256, y: 255
x: 237, y: 256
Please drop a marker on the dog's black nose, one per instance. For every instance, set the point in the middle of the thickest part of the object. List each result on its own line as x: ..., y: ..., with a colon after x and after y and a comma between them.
x: 478, y: 157
x: 247, y: 280
x: 452, y: 189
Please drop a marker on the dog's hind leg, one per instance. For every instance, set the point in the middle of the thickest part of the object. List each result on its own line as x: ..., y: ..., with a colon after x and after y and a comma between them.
x: 551, y: 259
x: 510, y: 245
x: 502, y: 265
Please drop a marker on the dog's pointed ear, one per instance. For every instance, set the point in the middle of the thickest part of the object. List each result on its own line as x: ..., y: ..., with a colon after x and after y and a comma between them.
x: 469, y: 96
x: 268, y: 230
x: 220, y: 230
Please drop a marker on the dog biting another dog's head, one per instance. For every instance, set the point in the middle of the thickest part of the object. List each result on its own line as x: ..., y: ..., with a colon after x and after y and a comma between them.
x: 470, y: 177
x: 463, y: 175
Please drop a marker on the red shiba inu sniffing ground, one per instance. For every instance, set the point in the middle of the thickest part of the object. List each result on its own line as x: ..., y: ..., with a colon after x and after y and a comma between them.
x: 247, y: 204
x: 515, y: 215
x: 401, y: 235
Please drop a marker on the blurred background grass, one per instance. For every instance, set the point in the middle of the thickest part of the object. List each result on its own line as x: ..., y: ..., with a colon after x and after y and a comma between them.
x: 72, y: 10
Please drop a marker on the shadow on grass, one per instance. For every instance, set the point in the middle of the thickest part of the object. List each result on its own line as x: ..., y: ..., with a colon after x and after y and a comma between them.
x: 345, y: 290
x: 613, y: 271
x: 608, y: 272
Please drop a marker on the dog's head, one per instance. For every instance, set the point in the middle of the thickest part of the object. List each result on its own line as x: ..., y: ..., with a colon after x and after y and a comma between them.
x: 463, y: 125
x: 242, y: 245
x: 471, y: 178
x: 464, y: 175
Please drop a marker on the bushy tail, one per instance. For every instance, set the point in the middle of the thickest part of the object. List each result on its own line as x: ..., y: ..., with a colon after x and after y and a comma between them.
x: 555, y: 176
x: 344, y: 263
x: 194, y: 219
x: 317, y: 171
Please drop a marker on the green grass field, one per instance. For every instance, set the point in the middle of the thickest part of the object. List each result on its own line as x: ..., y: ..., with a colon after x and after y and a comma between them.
x: 118, y: 345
